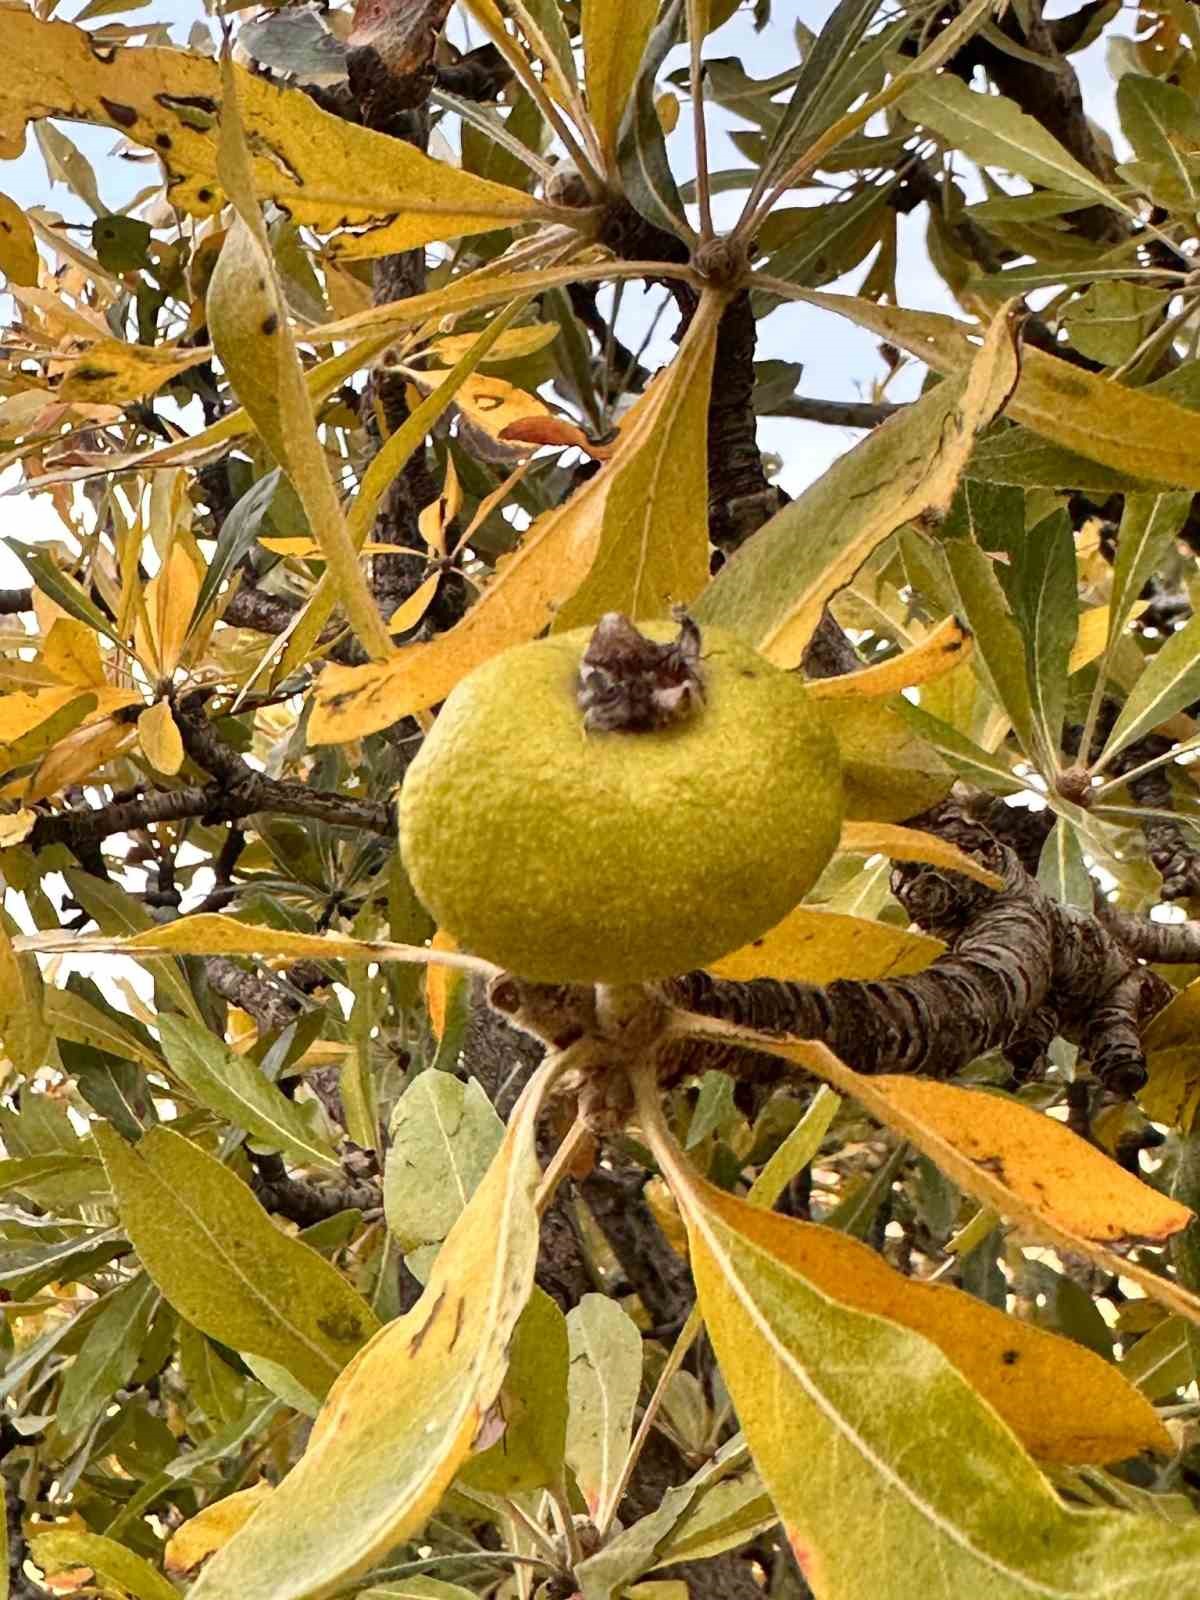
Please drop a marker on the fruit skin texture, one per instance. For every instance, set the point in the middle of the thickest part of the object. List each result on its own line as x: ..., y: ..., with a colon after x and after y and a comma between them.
x: 617, y: 857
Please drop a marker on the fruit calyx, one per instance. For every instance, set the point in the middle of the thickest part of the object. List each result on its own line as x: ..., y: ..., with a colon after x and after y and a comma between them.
x: 631, y: 684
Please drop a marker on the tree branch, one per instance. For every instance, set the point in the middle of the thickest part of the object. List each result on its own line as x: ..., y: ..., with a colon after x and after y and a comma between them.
x: 1020, y: 968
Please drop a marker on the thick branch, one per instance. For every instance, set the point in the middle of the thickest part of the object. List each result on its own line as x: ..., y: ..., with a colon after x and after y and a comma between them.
x: 304, y: 1202
x: 258, y: 996
x: 1020, y: 968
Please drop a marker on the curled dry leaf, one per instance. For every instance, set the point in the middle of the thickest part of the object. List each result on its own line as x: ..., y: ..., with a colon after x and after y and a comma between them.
x: 556, y: 432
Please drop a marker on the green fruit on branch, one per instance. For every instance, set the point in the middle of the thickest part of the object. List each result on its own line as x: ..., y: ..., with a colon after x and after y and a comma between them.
x: 620, y: 805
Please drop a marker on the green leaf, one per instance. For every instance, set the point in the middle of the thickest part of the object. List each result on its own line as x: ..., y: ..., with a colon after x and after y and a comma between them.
x: 444, y: 1136
x: 239, y: 530
x: 533, y: 1404
x: 121, y: 244
x: 108, y: 1357
x: 1046, y: 606
x: 993, y: 131
x: 60, y: 1551
x: 1109, y: 321
x: 402, y: 1419
x: 224, y: 1265
x: 1171, y: 680
x: 1062, y: 871
x: 1161, y: 123
x: 1161, y: 1361
x: 832, y: 69
x: 1149, y: 525
x: 605, y: 1380
x: 821, y: 242
x: 234, y: 1087
x: 999, y: 647
x: 646, y: 174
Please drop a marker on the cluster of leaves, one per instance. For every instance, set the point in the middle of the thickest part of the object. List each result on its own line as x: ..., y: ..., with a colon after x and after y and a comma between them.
x: 270, y: 1254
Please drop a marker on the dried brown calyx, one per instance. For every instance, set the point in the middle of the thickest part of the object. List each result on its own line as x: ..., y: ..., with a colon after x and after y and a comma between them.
x: 631, y: 684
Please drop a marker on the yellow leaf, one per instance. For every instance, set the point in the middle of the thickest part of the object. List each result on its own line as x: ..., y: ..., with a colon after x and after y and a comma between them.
x: 667, y: 108
x: 910, y: 844
x: 248, y: 321
x: 1142, y: 435
x: 403, y: 1415
x: 326, y: 172
x: 159, y: 736
x: 170, y: 599
x: 25, y: 1036
x: 946, y: 647
x: 510, y: 346
x: 775, y: 587
x: 615, y: 35
x: 211, y: 934
x: 18, y: 248
x: 815, y: 946
x: 112, y: 373
x: 414, y: 608
x: 490, y: 403
x: 1171, y: 1093
x: 1024, y: 1165
x: 437, y: 517
x: 72, y: 653
x: 892, y: 1475
x: 22, y: 711
x: 77, y: 756
x: 15, y: 826
x: 211, y: 1529
x: 1063, y: 1402
x: 438, y: 981
x: 616, y: 510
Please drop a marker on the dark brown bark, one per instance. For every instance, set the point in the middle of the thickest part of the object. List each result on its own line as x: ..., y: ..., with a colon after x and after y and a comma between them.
x: 1020, y: 968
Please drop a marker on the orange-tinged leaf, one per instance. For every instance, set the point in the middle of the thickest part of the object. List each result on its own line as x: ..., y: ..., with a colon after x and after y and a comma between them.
x: 946, y: 647
x: 402, y: 1417
x: 489, y: 402
x: 18, y: 248
x: 72, y: 653
x: 892, y: 1475
x: 615, y: 512
x: 1024, y: 1165
x: 811, y: 945
x: 910, y: 844
x: 1063, y: 1402
x: 438, y: 982
x: 160, y: 739
x: 327, y: 173
x: 209, y: 1530
x: 122, y: 1570
x: 555, y: 431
